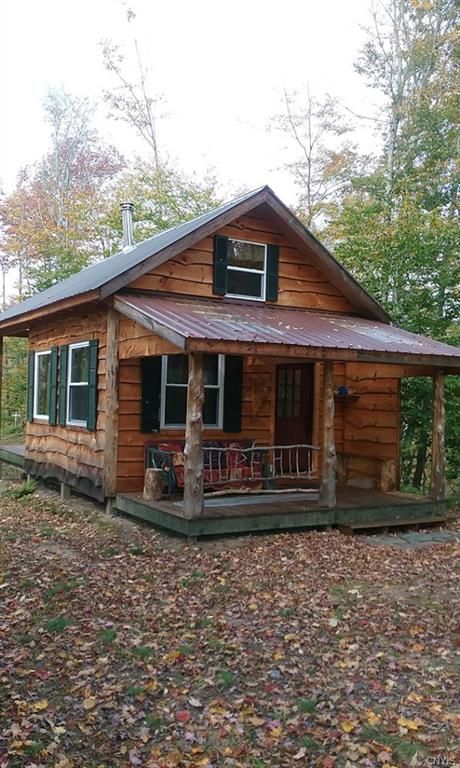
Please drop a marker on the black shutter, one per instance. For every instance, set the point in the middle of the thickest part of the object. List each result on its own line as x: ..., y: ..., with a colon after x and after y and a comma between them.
x: 233, y: 393
x: 150, y: 393
x: 92, y: 385
x: 272, y: 272
x: 52, y: 386
x: 30, y: 386
x: 63, y: 357
x: 220, y: 264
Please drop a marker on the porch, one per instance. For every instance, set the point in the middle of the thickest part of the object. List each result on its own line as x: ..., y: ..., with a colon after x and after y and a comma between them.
x: 286, y: 511
x: 336, y: 376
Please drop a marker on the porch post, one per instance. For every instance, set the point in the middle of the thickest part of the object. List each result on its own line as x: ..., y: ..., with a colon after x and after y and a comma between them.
x: 438, y: 457
x: 193, y: 451
x: 327, y: 490
x: 111, y: 409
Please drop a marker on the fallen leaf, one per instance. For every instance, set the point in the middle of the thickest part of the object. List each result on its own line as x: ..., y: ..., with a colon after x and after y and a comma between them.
x: 89, y: 703
x: 40, y: 705
x: 348, y: 726
x: 183, y: 716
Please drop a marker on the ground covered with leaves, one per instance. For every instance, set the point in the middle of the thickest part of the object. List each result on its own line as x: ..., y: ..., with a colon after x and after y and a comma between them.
x: 121, y: 646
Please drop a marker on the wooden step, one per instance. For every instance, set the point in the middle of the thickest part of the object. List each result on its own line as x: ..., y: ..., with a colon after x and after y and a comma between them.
x: 349, y: 528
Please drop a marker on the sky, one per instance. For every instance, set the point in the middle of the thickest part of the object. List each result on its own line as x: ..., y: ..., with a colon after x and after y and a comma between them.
x: 221, y: 65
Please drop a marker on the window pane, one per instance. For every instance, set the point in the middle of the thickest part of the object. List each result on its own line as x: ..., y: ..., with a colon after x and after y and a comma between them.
x: 176, y: 405
x: 246, y: 255
x: 177, y: 369
x: 211, y: 407
x: 79, y: 365
x: 43, y: 362
x: 210, y: 369
x: 78, y: 403
x: 244, y: 283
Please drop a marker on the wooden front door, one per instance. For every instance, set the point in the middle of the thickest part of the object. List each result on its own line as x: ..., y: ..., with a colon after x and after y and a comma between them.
x: 294, y: 404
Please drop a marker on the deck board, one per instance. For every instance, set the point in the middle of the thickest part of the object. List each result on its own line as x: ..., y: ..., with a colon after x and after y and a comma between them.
x: 282, y: 513
x: 13, y: 454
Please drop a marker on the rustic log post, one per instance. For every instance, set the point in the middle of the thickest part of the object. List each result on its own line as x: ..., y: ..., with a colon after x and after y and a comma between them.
x: 153, y: 484
x: 111, y: 409
x: 193, y: 451
x: 438, y: 457
x: 327, y: 490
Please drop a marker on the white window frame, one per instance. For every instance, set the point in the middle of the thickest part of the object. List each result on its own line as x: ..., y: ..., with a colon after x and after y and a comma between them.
x: 253, y: 271
x: 69, y: 421
x: 219, y: 386
x: 36, y: 415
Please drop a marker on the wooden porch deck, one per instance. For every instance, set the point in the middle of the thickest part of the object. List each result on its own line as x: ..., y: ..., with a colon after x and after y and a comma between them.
x: 240, y: 514
x: 13, y: 454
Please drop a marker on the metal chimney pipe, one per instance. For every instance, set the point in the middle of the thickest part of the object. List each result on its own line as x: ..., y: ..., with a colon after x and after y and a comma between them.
x: 127, y: 218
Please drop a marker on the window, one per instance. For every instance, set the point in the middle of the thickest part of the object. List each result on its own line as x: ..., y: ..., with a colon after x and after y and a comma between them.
x: 246, y: 269
x: 174, y: 378
x: 78, y: 384
x: 42, y: 385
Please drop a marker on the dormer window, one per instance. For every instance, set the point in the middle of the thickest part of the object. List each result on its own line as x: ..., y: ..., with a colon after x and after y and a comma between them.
x: 245, y: 269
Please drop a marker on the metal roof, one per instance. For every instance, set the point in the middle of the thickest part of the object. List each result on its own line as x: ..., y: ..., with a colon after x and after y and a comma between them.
x: 101, y: 273
x: 253, y: 322
x: 114, y: 273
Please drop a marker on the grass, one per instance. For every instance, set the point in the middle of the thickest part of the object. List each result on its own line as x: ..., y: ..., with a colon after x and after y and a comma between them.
x: 61, y: 587
x: 25, y: 489
x: 306, y: 706
x: 137, y: 551
x: 226, y: 678
x: 108, y: 636
x: 59, y: 624
x: 153, y: 721
x: 143, y: 651
x: 404, y: 749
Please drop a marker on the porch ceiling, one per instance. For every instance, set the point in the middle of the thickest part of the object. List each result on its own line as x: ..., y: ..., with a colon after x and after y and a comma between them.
x: 206, y: 324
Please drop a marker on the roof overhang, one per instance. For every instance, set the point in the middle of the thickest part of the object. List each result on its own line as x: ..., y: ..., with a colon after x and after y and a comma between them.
x: 246, y: 327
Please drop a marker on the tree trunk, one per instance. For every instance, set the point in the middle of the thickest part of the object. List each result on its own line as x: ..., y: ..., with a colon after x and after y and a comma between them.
x: 193, y: 451
x: 420, y: 461
x: 327, y: 491
x: 438, y: 458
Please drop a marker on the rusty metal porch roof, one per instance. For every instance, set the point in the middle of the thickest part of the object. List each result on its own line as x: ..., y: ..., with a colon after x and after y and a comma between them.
x: 186, y: 320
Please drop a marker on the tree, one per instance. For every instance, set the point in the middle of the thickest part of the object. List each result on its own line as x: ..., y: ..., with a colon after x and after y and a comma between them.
x: 163, y: 197
x: 397, y: 229
x: 131, y: 100
x: 51, y: 220
x: 323, y: 160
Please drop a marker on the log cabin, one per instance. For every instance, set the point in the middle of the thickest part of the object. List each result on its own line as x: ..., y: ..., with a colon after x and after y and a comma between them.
x: 226, y: 375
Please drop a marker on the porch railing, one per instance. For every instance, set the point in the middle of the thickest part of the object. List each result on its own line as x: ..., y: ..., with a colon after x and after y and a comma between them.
x: 236, y: 466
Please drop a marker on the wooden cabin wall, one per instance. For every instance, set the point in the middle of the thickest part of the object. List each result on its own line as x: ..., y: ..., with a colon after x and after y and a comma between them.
x: 258, y: 415
x: 372, y: 425
x: 73, y: 455
x: 301, y: 284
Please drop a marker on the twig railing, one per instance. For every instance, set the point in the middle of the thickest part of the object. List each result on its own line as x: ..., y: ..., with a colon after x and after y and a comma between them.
x: 236, y: 467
